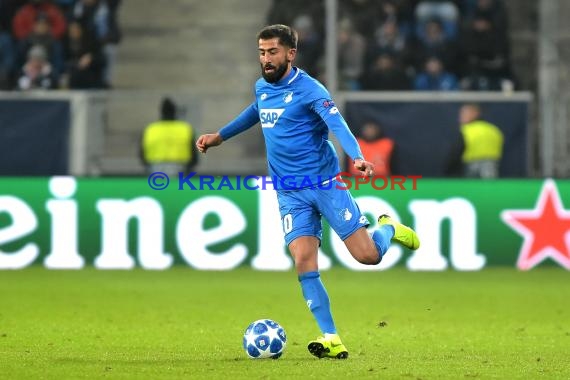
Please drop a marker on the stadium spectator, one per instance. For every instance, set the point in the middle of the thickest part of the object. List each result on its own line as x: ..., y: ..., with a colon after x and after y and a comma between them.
x: 41, y: 35
x: 37, y: 73
x: 290, y: 12
x: 483, y: 143
x: 99, y: 18
x: 376, y: 147
x: 368, y: 15
x: 385, y: 75
x: 310, y: 44
x: 435, y: 78
x: 168, y: 144
x: 485, y: 55
x: 493, y: 10
x: 351, y: 51
x: 446, y: 11
x: 400, y: 11
x: 285, y: 12
x: 364, y: 14
x: 26, y: 16
x: 436, y: 44
x: 84, y: 60
x: 388, y: 40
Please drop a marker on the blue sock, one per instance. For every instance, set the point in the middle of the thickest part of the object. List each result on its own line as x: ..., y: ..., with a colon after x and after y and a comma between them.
x: 318, y: 301
x: 382, y: 238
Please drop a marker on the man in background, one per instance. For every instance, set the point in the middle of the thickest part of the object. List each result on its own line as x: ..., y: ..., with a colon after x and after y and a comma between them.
x: 168, y: 144
x: 483, y: 144
x: 376, y: 147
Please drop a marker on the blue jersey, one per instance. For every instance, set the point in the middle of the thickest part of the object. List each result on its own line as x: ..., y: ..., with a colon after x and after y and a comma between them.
x: 296, y: 114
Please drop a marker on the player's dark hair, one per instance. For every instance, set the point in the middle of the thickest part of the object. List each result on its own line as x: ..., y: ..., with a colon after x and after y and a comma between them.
x: 287, y: 36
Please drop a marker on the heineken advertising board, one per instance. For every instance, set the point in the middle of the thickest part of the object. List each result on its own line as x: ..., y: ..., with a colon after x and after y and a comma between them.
x: 464, y: 225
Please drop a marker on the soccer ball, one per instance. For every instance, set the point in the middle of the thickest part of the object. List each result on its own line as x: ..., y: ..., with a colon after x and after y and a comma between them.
x: 264, y: 338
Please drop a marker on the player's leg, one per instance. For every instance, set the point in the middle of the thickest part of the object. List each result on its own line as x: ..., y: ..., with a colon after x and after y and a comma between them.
x: 403, y: 234
x: 343, y: 214
x: 369, y: 248
x: 340, y: 209
x: 303, y: 231
x: 304, y: 250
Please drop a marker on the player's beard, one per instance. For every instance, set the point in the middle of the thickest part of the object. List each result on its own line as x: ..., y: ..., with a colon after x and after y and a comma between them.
x: 277, y: 73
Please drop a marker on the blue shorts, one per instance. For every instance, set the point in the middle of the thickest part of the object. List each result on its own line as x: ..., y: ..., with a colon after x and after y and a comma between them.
x: 301, y: 212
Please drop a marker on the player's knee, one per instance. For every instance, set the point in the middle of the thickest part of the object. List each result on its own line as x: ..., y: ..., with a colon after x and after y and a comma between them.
x: 364, y: 251
x: 370, y: 256
x: 304, y: 262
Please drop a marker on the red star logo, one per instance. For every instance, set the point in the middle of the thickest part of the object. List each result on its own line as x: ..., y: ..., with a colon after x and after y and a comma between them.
x: 545, y: 229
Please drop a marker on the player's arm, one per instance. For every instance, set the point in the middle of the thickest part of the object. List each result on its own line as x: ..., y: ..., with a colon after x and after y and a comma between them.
x: 245, y: 120
x: 330, y: 114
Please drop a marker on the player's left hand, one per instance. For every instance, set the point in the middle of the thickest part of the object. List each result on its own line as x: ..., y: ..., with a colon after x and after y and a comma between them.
x: 365, y: 167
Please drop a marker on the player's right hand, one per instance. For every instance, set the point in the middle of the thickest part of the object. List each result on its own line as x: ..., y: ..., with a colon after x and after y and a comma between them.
x: 366, y: 168
x: 208, y: 140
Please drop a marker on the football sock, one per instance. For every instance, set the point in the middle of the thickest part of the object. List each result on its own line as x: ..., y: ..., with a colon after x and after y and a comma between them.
x: 318, y: 301
x: 382, y: 238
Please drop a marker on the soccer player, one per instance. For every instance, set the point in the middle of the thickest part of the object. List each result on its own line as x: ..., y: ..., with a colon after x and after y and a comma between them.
x: 296, y: 113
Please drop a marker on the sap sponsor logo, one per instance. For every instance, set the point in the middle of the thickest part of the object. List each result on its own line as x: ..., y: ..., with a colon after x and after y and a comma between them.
x: 269, y: 116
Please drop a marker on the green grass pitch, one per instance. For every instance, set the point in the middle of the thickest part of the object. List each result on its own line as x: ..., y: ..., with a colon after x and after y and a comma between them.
x: 182, y: 323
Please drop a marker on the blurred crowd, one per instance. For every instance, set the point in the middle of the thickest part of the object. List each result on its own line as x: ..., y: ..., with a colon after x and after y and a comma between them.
x: 52, y: 44
x: 434, y: 45
x: 430, y: 45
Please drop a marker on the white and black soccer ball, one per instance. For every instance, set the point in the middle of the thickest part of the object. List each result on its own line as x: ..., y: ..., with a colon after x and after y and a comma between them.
x: 264, y: 338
